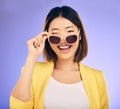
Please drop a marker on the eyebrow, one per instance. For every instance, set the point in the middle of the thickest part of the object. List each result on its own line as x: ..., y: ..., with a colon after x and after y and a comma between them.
x: 54, y: 29
x: 69, y: 27
x: 65, y: 28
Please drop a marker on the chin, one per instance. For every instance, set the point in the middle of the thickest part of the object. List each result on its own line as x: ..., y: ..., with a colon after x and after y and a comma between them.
x: 66, y: 58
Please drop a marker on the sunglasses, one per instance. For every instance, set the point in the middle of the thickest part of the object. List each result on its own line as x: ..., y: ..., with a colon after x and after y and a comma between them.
x: 56, y: 40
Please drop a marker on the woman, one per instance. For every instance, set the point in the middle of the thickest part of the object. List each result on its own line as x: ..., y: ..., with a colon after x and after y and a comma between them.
x: 62, y: 82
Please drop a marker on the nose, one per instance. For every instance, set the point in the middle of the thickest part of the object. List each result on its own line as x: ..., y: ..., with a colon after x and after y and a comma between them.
x: 63, y: 41
x: 63, y: 37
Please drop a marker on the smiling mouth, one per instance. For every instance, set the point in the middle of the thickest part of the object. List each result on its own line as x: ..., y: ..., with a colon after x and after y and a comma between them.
x: 64, y: 47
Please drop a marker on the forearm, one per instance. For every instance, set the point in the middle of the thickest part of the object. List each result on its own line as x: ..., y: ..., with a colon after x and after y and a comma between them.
x: 22, y: 90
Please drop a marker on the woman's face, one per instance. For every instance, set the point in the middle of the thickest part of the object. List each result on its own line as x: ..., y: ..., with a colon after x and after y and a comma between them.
x: 63, y: 28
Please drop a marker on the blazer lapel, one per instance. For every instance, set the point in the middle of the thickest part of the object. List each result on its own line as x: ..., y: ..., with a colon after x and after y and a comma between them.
x: 90, y: 85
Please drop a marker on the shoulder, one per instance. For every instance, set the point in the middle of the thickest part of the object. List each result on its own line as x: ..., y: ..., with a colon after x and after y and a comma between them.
x: 42, y: 69
x: 93, y: 75
x: 42, y: 66
x: 91, y: 72
x: 95, y: 83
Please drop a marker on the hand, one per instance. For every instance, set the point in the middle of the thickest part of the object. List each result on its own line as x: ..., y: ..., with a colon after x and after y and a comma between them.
x: 36, y: 45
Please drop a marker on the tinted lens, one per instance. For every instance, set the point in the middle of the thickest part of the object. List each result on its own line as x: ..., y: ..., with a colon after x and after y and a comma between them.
x: 71, y: 39
x: 54, y: 39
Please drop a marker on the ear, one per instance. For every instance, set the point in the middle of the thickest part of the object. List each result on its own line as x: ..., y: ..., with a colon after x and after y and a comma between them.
x: 79, y: 34
x: 79, y: 37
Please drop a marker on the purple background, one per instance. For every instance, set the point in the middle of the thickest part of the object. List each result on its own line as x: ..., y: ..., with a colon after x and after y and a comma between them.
x: 21, y: 20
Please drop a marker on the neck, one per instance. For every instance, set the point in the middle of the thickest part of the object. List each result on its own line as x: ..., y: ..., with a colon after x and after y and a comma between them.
x: 66, y: 65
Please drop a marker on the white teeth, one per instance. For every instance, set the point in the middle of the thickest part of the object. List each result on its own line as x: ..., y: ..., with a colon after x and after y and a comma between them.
x: 64, y: 47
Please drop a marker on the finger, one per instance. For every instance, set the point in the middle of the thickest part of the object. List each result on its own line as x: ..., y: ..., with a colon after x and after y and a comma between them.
x: 42, y: 36
x: 39, y: 39
x: 35, y: 42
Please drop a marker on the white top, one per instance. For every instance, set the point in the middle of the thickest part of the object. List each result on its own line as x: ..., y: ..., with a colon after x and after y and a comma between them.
x: 65, y: 96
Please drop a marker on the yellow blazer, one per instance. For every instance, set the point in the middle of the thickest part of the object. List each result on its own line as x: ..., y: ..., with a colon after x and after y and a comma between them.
x: 93, y: 81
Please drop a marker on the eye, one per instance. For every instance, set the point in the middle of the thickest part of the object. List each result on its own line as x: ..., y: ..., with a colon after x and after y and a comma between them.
x: 70, y: 31
x: 54, y: 33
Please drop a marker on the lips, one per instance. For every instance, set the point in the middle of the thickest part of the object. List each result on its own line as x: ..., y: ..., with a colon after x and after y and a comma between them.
x: 64, y: 47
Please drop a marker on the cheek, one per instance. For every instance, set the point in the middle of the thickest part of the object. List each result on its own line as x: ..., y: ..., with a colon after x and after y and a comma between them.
x: 54, y: 47
x: 76, y: 45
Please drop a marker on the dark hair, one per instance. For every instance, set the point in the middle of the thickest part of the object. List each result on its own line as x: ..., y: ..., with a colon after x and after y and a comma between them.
x: 71, y: 15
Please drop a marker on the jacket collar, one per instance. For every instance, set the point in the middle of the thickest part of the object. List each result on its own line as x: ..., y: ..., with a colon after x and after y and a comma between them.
x: 90, y: 85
